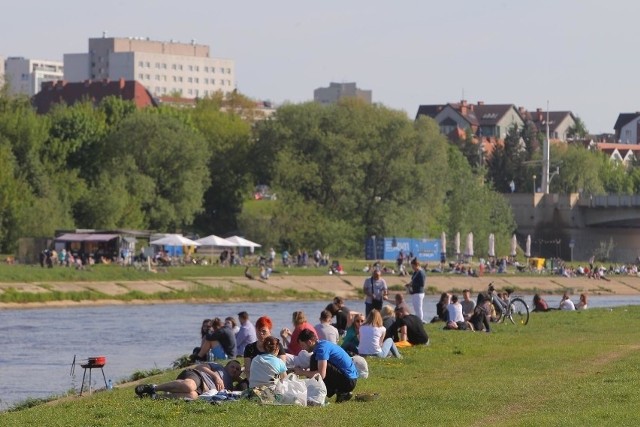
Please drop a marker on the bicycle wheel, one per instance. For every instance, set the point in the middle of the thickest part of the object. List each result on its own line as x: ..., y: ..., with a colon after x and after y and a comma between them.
x: 519, y: 312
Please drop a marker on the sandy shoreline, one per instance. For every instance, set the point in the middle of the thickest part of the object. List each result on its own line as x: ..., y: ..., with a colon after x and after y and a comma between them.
x: 346, y: 286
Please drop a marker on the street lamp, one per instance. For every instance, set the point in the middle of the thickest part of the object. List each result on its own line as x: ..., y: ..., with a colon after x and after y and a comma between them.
x: 534, y: 184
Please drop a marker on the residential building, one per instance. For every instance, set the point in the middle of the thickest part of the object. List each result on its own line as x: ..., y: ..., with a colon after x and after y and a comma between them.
x: 619, y: 153
x: 560, y: 122
x: 482, y: 120
x: 165, y: 68
x: 627, y: 128
x: 337, y: 91
x: 25, y: 76
x: 1, y: 71
x: 70, y: 93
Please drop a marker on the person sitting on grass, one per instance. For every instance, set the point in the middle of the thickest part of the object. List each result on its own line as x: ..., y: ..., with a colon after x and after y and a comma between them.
x: 539, y: 304
x: 372, y: 338
x: 335, y: 366
x: 480, y: 320
x: 221, y: 340
x: 266, y: 367
x: 192, y: 382
x: 264, y: 325
x: 409, y: 328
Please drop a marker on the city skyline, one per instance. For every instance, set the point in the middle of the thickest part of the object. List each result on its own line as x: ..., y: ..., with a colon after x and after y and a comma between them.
x: 575, y: 55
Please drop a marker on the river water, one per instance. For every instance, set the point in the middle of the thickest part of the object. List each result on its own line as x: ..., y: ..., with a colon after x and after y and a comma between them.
x: 37, y: 346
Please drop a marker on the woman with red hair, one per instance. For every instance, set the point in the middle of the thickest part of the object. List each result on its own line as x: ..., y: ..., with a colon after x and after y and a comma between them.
x: 263, y: 330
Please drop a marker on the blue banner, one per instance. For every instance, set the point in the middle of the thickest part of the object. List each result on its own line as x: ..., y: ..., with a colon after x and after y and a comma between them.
x: 385, y: 248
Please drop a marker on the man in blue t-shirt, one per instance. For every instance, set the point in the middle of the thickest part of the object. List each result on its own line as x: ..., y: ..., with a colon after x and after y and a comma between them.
x: 333, y: 364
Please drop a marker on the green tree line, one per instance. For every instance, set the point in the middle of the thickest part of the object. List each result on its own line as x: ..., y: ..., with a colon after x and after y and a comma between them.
x: 341, y: 173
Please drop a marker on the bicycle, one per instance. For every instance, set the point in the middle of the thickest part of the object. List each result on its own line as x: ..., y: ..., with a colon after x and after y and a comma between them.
x: 516, y: 310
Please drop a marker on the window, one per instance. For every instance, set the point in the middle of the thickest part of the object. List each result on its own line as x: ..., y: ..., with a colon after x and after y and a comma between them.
x: 147, y: 76
x: 157, y: 65
x: 157, y: 77
x: 174, y: 66
x: 148, y: 64
x: 206, y: 81
x: 190, y: 92
x: 213, y: 81
x: 141, y: 64
x: 213, y: 69
x: 228, y: 70
x: 197, y: 68
x: 206, y: 69
x: 197, y: 80
x: 141, y: 76
x: 190, y: 80
x: 190, y: 67
x: 179, y: 79
x: 164, y: 66
x: 180, y: 67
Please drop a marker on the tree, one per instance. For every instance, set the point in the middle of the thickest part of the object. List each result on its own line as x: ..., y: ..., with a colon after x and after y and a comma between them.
x: 507, y: 162
x: 578, y: 130
x: 230, y: 143
x: 163, y: 163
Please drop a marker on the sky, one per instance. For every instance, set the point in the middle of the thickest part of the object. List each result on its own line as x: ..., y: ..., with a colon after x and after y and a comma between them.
x: 575, y: 55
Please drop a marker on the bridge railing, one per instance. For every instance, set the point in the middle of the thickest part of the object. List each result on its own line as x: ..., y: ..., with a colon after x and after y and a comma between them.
x: 609, y: 200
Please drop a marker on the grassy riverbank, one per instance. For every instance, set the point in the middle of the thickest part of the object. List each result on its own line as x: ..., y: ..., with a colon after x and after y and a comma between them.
x: 564, y: 368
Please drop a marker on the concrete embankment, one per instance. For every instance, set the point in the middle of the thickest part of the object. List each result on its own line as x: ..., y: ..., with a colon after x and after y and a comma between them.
x: 346, y: 286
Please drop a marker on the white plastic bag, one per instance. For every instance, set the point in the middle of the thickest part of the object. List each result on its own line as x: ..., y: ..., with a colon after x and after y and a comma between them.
x: 316, y: 391
x: 291, y: 391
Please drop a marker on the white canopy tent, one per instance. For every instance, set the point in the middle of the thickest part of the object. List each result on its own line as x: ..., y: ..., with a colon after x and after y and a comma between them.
x: 244, y: 243
x: 214, y: 240
x: 174, y: 240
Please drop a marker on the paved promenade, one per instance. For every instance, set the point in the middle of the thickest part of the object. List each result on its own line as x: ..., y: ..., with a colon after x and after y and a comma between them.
x: 346, y: 286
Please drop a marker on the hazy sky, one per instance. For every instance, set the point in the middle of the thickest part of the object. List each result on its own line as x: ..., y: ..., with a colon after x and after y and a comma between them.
x: 579, y: 55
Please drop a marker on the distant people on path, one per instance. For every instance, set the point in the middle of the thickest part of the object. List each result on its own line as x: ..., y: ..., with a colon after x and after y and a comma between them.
x: 334, y: 365
x: 416, y: 287
x: 326, y: 331
x: 375, y: 291
x: 247, y: 333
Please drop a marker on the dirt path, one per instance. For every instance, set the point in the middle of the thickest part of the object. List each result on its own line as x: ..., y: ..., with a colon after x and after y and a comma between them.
x: 346, y: 286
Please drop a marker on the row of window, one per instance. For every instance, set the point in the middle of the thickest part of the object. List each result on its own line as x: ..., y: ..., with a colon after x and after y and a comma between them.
x: 180, y: 79
x: 181, y: 67
x: 191, y: 92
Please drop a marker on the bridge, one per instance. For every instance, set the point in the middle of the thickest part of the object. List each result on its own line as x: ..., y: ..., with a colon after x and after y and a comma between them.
x: 575, y: 226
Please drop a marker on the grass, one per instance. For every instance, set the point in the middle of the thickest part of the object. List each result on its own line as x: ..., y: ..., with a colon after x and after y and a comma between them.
x: 564, y: 368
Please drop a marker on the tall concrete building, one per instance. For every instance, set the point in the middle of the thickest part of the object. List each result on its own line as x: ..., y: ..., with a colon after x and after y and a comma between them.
x: 336, y: 91
x: 164, y: 68
x: 25, y: 76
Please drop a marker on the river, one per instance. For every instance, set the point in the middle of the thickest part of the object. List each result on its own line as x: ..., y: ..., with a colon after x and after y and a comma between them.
x: 37, y: 346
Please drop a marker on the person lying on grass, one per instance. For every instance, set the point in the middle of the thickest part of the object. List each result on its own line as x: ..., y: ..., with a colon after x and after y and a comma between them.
x: 192, y: 382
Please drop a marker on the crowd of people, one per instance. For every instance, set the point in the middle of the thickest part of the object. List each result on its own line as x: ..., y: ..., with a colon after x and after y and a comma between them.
x: 336, y: 347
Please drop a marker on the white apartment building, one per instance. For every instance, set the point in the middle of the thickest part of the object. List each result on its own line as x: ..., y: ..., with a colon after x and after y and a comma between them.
x: 25, y: 76
x: 1, y: 71
x: 164, y: 68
